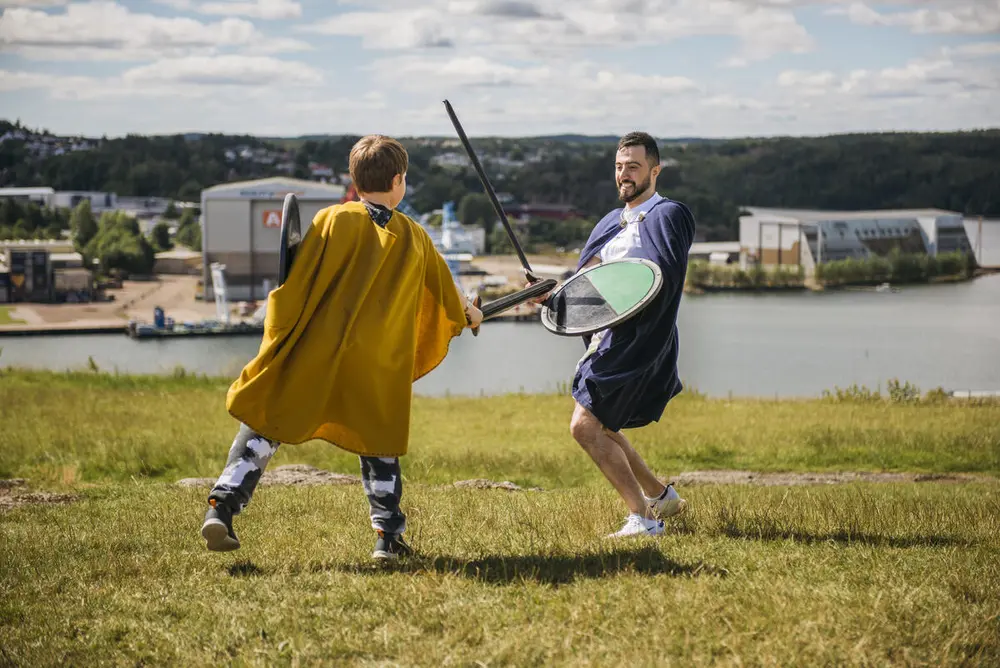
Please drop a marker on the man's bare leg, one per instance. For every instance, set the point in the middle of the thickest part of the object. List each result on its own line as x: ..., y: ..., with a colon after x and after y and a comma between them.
x: 610, y: 458
x: 650, y: 485
x: 664, y: 501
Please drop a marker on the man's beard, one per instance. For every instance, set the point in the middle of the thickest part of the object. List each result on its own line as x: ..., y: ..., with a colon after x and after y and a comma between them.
x: 639, y: 189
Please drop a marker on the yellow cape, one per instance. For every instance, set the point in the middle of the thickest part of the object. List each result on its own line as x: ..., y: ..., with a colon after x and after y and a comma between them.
x: 365, y: 311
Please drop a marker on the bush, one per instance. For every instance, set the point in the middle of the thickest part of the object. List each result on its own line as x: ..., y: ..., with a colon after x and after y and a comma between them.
x: 897, y: 267
x: 903, y: 393
x: 704, y: 275
x: 161, y: 237
x: 852, y: 393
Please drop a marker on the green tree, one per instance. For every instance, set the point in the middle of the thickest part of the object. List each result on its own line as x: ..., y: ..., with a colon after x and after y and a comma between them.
x: 171, y: 212
x: 500, y: 244
x: 120, y: 219
x: 189, y: 231
x: 161, y: 237
x: 119, y: 245
x: 83, y: 226
x: 475, y: 207
x: 10, y: 211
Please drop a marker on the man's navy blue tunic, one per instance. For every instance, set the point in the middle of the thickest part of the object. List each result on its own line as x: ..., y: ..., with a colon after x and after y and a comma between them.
x: 628, y: 381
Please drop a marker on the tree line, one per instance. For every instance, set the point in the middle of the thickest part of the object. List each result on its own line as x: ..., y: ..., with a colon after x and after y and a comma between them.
x: 955, y: 171
x: 114, y: 240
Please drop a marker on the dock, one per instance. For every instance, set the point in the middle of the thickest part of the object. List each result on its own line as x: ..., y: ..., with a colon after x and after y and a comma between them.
x: 141, y: 331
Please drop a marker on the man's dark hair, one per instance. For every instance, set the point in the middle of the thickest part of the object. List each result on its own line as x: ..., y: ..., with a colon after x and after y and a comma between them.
x: 644, y: 140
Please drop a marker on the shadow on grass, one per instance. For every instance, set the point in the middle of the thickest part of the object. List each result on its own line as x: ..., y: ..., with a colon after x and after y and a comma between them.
x: 546, y: 569
x: 245, y: 569
x: 766, y: 531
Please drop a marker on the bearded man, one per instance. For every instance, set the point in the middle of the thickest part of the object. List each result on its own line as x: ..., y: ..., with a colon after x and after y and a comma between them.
x: 629, y: 372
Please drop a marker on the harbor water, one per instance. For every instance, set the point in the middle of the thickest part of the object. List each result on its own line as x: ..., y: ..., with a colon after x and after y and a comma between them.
x: 767, y: 345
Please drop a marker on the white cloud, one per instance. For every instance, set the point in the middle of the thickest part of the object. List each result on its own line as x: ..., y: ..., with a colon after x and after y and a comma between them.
x: 553, y: 26
x: 11, y: 81
x: 224, y: 70
x: 108, y: 31
x: 941, y: 79
x: 563, y: 83
x: 511, y: 67
x: 33, y: 3
x: 950, y: 17
x: 810, y: 83
x: 256, y: 9
x: 975, y: 50
x: 229, y: 82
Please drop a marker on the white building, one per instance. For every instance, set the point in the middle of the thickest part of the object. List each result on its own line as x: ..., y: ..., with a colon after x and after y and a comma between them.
x: 715, y: 252
x: 808, y: 237
x: 145, y: 207
x: 41, y: 196
x: 45, y: 196
x: 99, y: 202
x: 241, y: 229
x: 452, y: 236
x: 984, y: 236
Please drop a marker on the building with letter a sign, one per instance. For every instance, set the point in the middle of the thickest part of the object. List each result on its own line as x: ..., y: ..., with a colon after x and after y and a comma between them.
x: 241, y: 229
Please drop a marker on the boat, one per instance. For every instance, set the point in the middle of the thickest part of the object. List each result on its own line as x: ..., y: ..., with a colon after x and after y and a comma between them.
x: 163, y: 326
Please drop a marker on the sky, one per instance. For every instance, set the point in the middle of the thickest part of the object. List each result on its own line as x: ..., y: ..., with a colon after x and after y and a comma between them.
x: 674, y: 68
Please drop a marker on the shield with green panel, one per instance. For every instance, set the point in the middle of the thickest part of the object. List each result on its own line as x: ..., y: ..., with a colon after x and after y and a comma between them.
x: 602, y: 296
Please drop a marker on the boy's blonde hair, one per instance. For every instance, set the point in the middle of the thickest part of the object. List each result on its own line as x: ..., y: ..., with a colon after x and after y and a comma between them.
x: 374, y: 161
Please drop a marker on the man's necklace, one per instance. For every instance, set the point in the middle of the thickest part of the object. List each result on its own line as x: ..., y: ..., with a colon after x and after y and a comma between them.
x: 625, y: 221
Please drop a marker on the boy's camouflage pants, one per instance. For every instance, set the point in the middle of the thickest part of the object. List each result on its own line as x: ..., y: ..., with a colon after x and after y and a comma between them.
x: 251, y: 452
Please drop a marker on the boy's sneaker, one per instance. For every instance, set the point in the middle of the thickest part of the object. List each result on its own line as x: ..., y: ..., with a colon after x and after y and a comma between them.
x: 218, y: 528
x: 390, y: 546
x: 667, y: 504
x: 637, y: 525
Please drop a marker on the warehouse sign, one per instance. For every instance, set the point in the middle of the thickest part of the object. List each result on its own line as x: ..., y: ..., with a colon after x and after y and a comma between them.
x: 272, y: 218
x: 270, y: 194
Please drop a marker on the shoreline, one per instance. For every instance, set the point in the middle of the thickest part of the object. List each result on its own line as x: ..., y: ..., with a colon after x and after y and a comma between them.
x: 177, y: 302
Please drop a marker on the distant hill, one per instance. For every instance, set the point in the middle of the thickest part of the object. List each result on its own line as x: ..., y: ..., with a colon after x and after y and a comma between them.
x: 958, y: 171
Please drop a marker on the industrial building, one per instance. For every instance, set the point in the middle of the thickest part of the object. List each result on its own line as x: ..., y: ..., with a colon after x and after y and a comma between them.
x: 41, y: 196
x: 805, y: 237
x: 241, y: 229
x: 179, y: 260
x: 43, y: 271
x: 715, y: 252
x: 67, y: 199
x: 984, y: 236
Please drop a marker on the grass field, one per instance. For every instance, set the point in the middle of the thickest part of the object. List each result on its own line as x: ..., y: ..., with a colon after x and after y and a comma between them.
x: 855, y: 574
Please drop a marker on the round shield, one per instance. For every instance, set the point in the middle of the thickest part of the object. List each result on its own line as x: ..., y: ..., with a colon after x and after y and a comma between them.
x: 291, y: 235
x: 602, y: 296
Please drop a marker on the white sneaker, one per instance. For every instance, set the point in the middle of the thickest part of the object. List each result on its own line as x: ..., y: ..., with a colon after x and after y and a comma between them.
x: 667, y: 504
x: 637, y: 525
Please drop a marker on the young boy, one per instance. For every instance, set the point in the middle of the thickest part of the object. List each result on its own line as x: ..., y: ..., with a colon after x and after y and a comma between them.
x: 369, y: 306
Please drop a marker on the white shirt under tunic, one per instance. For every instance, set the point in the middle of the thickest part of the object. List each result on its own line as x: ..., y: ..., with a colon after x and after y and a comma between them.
x: 626, y: 243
